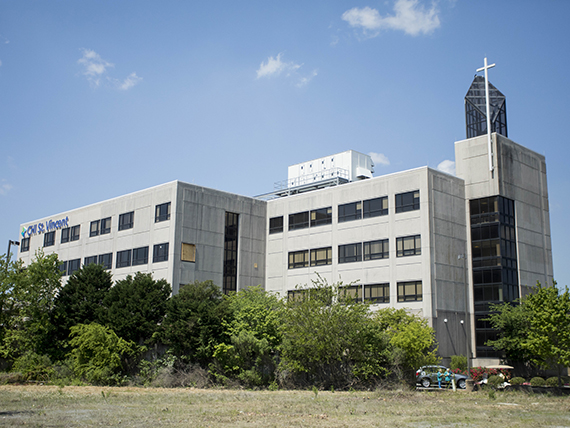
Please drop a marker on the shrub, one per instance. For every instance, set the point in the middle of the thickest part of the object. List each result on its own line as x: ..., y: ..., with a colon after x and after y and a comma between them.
x: 517, y: 381
x: 33, y: 366
x: 494, y: 381
x: 552, y: 381
x: 537, y: 381
x: 458, y: 362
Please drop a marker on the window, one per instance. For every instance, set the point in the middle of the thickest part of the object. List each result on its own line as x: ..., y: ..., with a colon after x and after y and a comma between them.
x: 73, y: 266
x: 160, y: 253
x: 65, y: 235
x: 63, y: 268
x: 348, y: 212
x: 375, y: 207
x: 106, y: 226
x: 25, y: 245
x: 75, y: 233
x: 408, y: 246
x: 410, y: 291
x: 90, y: 260
x: 297, y: 295
x: 123, y: 259
x: 374, y: 250
x: 352, y: 292
x: 321, y: 216
x: 140, y: 256
x: 49, y: 239
x: 188, y: 252
x: 377, y: 293
x: 106, y: 260
x: 321, y: 256
x: 276, y: 225
x: 409, y: 201
x: 350, y: 253
x: 299, y: 220
x: 94, y: 228
x: 229, y: 278
x: 162, y: 212
x: 126, y: 220
x: 298, y: 259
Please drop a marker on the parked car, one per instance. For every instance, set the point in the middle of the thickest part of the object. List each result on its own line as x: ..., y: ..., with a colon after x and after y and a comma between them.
x: 427, y: 375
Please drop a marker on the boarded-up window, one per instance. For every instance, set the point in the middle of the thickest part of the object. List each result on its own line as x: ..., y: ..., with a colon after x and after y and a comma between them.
x: 188, y: 252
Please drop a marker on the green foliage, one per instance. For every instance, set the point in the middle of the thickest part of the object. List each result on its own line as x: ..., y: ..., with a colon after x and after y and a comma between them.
x: 33, y: 366
x: 193, y: 325
x: 80, y: 301
x: 517, y: 380
x: 458, y: 362
x: 552, y: 381
x: 136, y: 306
x: 253, y: 330
x: 27, y: 300
x: 537, y: 330
x: 328, y: 339
x: 413, y: 341
x: 495, y: 380
x: 98, y: 354
x: 537, y: 381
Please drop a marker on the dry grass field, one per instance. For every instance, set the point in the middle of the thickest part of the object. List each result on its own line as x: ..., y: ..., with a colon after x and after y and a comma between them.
x: 52, y: 406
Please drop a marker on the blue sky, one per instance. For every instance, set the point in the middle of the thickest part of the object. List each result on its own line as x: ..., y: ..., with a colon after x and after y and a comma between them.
x: 103, y: 98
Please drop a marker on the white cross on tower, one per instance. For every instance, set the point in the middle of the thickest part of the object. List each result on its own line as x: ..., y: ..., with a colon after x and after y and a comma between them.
x: 488, y: 107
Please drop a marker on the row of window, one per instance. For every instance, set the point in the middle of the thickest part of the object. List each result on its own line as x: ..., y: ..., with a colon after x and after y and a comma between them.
x: 98, y: 227
x: 347, y: 212
x: 370, y: 250
x: 134, y: 257
x: 408, y: 291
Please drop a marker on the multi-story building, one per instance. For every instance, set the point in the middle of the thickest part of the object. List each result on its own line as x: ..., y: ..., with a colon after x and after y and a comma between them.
x: 439, y: 245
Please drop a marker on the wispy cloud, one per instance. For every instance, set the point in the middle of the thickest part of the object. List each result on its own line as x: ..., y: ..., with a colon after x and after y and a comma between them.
x: 95, y: 69
x: 130, y: 81
x: 379, y: 159
x: 447, y: 166
x: 275, y: 66
x: 409, y: 16
x: 5, y: 187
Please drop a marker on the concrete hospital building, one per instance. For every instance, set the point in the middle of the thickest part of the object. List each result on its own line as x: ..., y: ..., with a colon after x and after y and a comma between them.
x: 439, y: 245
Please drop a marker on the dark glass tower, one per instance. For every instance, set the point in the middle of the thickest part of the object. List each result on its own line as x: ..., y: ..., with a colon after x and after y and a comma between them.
x: 475, y: 109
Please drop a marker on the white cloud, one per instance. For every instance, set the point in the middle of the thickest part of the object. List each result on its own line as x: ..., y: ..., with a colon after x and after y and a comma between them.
x: 5, y: 187
x: 379, y: 159
x: 447, y: 166
x: 130, y: 81
x: 304, y: 80
x: 94, y: 66
x: 409, y: 16
x: 274, y: 67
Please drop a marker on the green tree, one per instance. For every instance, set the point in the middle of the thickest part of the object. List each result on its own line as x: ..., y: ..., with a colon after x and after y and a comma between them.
x: 254, y: 336
x: 193, y: 325
x: 412, y: 341
x: 548, y: 336
x: 28, y: 299
x: 136, y: 306
x: 98, y: 355
x: 329, y: 340
x: 512, y: 322
x: 80, y: 300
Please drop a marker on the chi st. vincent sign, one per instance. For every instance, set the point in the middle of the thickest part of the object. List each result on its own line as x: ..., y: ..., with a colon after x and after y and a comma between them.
x: 48, y: 226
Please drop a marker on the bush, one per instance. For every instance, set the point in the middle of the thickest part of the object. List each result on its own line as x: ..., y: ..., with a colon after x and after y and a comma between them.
x: 537, y: 381
x: 517, y: 381
x: 458, y: 362
x: 33, y: 366
x: 494, y: 381
x: 552, y: 381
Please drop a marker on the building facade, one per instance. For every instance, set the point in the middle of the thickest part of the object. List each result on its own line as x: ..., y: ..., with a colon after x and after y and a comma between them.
x: 442, y: 246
